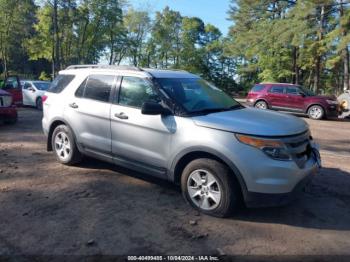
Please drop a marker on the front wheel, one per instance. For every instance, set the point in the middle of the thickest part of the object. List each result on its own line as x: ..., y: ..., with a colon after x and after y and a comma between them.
x: 315, y: 112
x: 209, y: 187
x: 64, y: 146
x: 261, y: 105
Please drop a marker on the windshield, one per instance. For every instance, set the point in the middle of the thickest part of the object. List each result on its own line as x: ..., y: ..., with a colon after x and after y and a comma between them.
x: 42, y: 85
x: 306, y: 91
x: 196, y: 95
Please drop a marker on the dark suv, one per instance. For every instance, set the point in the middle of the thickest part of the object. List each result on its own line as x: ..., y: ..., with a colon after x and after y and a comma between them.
x: 292, y: 98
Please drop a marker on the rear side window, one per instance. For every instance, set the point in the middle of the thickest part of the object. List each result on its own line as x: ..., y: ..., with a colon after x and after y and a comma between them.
x: 258, y: 88
x: 277, y: 89
x: 96, y: 87
x: 60, y: 83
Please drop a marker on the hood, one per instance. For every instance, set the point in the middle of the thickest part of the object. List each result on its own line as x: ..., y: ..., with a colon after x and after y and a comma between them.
x: 325, y: 97
x: 4, y: 93
x: 253, y: 122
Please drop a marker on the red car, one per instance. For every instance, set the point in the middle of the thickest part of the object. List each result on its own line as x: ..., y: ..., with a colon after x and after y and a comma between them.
x: 294, y: 99
x: 12, y: 84
x: 8, y: 111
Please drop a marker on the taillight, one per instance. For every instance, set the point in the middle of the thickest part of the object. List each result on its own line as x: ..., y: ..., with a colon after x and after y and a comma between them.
x: 44, y: 98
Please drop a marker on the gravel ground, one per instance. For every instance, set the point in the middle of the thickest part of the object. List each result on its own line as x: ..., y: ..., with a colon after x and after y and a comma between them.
x: 96, y: 208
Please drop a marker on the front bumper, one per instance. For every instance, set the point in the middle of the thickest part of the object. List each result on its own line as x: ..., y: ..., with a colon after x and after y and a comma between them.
x: 333, y: 111
x: 256, y: 200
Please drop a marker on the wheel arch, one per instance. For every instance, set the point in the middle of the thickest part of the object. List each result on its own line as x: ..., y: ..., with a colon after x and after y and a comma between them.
x: 55, y: 123
x: 184, y: 158
x: 315, y: 104
x: 262, y: 99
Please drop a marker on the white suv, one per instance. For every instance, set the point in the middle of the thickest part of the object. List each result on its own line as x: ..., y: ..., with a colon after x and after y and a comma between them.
x: 176, y: 126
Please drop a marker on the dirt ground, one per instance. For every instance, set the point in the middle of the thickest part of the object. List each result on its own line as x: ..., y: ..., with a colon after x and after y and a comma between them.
x: 97, y: 208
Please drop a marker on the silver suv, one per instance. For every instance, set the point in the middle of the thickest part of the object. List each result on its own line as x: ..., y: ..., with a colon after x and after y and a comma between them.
x: 176, y: 126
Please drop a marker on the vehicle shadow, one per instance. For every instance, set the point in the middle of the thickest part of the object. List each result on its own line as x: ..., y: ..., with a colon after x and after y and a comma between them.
x: 92, y: 163
x: 324, y: 204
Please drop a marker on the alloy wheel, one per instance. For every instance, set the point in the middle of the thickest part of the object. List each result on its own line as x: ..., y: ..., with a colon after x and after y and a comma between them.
x: 63, y: 146
x: 204, y: 189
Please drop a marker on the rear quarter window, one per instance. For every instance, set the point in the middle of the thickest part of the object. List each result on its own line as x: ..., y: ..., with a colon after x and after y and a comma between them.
x: 257, y: 88
x: 60, y: 83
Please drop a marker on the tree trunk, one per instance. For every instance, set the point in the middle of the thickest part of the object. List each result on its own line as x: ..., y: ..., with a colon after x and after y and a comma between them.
x: 318, y: 56
x: 56, y: 35
x: 295, y: 79
x: 346, y: 68
x: 345, y: 52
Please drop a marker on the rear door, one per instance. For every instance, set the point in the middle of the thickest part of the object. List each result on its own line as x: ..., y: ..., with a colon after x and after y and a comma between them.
x: 88, y: 113
x: 138, y: 140
x: 277, y: 97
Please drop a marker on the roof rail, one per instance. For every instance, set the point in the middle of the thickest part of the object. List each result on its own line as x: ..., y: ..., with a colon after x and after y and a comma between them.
x: 120, y: 67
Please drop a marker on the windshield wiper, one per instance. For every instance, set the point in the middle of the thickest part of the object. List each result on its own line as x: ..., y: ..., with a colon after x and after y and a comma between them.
x: 216, y: 110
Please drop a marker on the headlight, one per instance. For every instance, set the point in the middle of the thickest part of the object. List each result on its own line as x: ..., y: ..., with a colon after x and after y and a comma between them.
x: 332, y: 102
x: 6, y: 101
x: 273, y: 148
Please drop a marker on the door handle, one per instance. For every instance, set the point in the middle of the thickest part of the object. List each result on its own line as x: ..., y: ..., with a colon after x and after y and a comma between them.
x: 121, y: 115
x: 73, y: 105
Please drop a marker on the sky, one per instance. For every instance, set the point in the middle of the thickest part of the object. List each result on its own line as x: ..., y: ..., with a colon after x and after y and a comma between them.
x: 210, y: 11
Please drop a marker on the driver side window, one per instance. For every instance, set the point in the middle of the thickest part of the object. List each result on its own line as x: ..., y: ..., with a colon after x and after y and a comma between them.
x: 134, y: 91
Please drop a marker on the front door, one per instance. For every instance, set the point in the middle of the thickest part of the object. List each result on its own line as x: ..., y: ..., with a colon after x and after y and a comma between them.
x: 29, y: 94
x: 13, y: 86
x: 139, y: 141
x: 295, y: 100
x: 88, y: 112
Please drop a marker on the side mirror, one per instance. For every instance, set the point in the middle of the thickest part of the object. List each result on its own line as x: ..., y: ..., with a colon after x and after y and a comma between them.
x: 31, y: 89
x: 302, y: 94
x: 154, y: 108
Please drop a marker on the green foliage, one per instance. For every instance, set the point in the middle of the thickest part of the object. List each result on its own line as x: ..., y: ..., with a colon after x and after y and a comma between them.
x: 291, y: 41
x: 44, y: 76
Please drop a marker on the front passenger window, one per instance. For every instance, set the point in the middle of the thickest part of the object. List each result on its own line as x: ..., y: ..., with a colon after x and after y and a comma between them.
x: 135, y: 91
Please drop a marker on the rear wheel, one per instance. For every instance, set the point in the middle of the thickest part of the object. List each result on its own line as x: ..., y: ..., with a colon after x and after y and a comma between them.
x: 261, y: 105
x: 209, y: 187
x: 39, y: 104
x: 64, y: 146
x: 315, y: 112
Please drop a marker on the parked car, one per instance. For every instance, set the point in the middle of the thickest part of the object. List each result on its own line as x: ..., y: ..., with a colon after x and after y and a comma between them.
x: 8, y: 112
x: 294, y: 99
x: 33, y: 91
x: 13, y: 86
x: 176, y: 126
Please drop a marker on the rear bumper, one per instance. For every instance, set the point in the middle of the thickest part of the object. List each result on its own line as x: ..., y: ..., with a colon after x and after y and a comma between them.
x: 8, y: 113
x: 256, y: 200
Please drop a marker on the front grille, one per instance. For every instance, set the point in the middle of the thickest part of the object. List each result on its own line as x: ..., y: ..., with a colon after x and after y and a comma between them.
x: 299, y: 147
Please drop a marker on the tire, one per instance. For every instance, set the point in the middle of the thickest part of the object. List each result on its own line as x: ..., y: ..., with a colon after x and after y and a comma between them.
x: 316, y: 112
x: 39, y: 104
x: 220, y: 198
x: 261, y: 105
x: 64, y: 146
